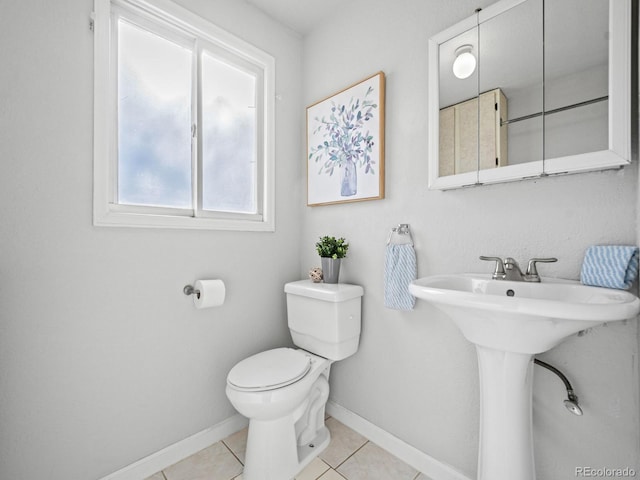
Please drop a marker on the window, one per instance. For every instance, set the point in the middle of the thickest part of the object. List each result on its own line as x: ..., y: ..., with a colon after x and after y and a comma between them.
x: 183, y: 125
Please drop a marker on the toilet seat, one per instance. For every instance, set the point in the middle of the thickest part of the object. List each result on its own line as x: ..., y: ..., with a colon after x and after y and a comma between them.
x: 269, y: 370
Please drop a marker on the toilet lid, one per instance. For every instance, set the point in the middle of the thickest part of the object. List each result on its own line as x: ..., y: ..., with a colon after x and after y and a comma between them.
x: 270, y: 370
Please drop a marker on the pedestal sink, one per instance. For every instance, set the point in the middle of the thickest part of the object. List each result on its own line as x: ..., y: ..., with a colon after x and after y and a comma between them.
x: 509, y: 322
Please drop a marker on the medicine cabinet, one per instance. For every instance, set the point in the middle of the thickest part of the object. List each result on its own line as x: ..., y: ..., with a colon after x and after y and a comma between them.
x: 551, y: 92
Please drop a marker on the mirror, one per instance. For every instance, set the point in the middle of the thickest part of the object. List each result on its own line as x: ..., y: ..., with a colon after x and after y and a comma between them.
x: 550, y: 92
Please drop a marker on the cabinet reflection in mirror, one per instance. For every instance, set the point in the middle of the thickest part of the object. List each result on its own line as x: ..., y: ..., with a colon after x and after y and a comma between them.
x: 526, y: 88
x: 473, y: 134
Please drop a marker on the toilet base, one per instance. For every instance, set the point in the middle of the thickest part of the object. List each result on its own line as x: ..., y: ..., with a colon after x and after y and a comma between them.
x: 308, y: 452
x: 281, y: 460
x: 279, y: 449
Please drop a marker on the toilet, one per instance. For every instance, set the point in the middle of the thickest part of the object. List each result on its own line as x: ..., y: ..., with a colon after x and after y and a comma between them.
x: 284, y: 391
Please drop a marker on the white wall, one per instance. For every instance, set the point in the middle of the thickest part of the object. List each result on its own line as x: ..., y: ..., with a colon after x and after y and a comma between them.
x: 103, y: 360
x: 414, y: 375
x: 106, y: 361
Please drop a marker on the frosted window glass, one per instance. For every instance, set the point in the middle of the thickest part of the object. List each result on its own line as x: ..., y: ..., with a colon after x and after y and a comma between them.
x: 228, y: 137
x: 154, y: 120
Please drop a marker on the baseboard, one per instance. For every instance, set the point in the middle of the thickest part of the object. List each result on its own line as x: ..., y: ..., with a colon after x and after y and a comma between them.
x: 432, y: 468
x: 174, y: 453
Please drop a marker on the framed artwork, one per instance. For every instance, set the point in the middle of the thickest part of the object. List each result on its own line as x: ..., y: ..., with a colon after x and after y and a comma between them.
x: 345, y: 145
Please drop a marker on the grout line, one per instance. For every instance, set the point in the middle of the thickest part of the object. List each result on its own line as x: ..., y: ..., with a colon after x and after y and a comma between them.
x: 232, y: 453
x: 334, y: 471
x: 321, y: 474
x: 355, y: 451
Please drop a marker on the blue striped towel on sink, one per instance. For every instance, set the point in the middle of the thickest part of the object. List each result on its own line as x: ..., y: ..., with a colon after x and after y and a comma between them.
x: 611, y: 266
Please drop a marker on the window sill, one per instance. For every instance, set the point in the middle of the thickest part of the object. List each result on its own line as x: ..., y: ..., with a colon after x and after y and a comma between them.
x: 113, y: 218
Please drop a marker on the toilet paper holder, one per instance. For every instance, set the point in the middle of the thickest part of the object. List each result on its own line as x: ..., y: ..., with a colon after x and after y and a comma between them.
x: 189, y: 290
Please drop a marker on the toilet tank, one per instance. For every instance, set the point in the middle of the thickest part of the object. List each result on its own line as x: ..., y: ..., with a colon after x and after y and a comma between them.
x: 324, y: 318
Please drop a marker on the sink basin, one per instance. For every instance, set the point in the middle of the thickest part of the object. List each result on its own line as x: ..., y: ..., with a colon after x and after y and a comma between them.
x: 522, y: 317
x: 509, y: 322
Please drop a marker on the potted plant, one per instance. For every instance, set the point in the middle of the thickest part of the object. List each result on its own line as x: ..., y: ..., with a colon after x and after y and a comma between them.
x: 331, y: 251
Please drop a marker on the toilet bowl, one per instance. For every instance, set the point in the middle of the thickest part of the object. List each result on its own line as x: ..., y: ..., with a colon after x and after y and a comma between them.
x: 286, y: 429
x: 284, y: 391
x: 281, y: 393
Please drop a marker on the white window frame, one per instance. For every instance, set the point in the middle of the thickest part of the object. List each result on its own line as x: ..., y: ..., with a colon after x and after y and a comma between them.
x: 217, y: 42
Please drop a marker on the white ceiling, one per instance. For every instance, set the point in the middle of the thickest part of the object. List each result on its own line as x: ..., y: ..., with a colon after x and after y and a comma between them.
x: 299, y: 15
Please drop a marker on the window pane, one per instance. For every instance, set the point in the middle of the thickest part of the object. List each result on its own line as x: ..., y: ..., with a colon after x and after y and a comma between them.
x: 228, y: 137
x: 154, y: 120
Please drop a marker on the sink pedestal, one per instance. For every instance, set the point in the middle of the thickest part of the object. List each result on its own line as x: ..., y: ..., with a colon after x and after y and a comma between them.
x: 506, y: 439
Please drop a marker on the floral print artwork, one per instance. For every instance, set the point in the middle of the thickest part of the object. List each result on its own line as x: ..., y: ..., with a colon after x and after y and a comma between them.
x: 344, y: 144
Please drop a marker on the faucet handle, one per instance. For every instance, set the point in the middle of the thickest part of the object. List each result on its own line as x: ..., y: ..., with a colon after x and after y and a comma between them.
x: 499, y: 272
x: 532, y: 271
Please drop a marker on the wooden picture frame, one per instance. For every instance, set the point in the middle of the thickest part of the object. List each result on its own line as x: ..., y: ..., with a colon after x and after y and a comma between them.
x: 345, y: 144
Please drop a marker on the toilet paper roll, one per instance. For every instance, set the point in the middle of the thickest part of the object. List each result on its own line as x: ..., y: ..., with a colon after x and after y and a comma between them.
x: 212, y: 293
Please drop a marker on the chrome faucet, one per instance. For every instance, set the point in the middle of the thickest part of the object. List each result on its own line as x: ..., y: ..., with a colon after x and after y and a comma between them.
x: 508, y: 269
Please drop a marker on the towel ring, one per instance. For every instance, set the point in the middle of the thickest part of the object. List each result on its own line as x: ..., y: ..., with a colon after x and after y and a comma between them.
x: 402, y: 229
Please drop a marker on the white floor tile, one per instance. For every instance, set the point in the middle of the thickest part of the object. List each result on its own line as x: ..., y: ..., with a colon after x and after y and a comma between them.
x: 157, y: 476
x: 373, y: 463
x: 316, y: 468
x: 344, y: 442
x: 331, y: 475
x: 422, y: 476
x: 237, y: 443
x: 213, y: 463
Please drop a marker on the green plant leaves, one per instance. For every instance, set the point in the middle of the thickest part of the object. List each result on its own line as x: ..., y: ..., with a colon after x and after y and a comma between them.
x: 332, y: 247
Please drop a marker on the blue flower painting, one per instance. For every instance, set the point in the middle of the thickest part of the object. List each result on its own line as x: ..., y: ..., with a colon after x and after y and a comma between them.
x: 345, y: 140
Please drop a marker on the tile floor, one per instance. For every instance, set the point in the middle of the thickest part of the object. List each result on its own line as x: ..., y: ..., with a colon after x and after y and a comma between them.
x: 349, y: 456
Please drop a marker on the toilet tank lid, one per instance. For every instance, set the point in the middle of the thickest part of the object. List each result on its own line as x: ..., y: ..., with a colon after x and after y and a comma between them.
x: 328, y: 292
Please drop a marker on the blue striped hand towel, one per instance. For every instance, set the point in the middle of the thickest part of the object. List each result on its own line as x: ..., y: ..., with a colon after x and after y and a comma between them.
x: 611, y: 266
x: 399, y: 270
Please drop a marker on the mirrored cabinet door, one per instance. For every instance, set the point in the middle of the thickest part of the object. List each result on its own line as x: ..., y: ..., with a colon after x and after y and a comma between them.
x: 576, y: 70
x: 511, y: 60
x: 458, y: 109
